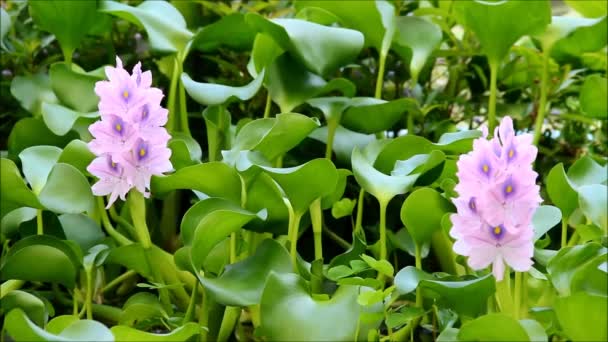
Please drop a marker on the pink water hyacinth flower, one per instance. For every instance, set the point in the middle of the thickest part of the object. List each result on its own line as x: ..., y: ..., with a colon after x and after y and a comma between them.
x: 130, y: 141
x: 497, y: 198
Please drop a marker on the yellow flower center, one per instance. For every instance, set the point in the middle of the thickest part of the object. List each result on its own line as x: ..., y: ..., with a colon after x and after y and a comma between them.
x: 142, y: 152
x: 511, y: 152
x: 497, y: 230
x: 509, y: 189
x: 125, y: 94
x: 113, y: 164
x: 485, y: 168
x: 118, y: 127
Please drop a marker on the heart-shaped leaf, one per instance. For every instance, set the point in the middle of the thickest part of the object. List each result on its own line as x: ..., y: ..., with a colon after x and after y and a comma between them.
x: 67, y: 191
x: 421, y: 213
x: 344, y: 141
x: 77, y: 154
x: 37, y: 163
x: 15, y: 193
x: 60, y: 119
x: 575, y: 320
x: 593, y: 93
x: 416, y: 38
x: 545, y: 217
x: 560, y: 190
x: 484, y: 329
x: 211, y: 94
x: 33, y: 90
x: 31, y: 132
x: 231, y: 31
x: 572, y: 262
x: 33, y: 306
x: 593, y: 202
x: 182, y: 333
x: 82, y: 229
x: 74, y: 87
x: 370, y: 115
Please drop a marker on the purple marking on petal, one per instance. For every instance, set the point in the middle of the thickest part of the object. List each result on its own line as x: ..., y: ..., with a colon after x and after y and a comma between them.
x: 497, y: 231
x: 511, y: 153
x: 112, y: 165
x: 145, y: 112
x: 472, y: 205
x: 508, y: 188
x: 141, y: 150
x: 125, y: 94
x: 118, y: 125
x: 485, y: 167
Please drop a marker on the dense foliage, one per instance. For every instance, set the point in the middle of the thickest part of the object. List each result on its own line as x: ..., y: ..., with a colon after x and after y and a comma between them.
x: 319, y: 151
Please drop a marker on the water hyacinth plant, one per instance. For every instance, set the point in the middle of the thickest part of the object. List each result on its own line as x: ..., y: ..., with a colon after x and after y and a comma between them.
x: 303, y: 170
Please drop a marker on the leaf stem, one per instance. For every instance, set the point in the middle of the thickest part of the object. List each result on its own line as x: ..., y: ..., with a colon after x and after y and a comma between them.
x: 105, y: 220
x: 10, y: 285
x: 542, y: 103
x: 418, y: 266
x: 316, y: 217
x: 503, y: 293
x: 203, y: 318
x: 191, y: 305
x: 564, y: 232
x: 358, y: 223
x: 517, y: 295
x: 294, y: 238
x: 267, y: 106
x: 172, y: 120
x: 89, y: 294
x: 116, y: 281
x: 183, y: 110
x: 39, y: 223
x: 380, y: 76
x: 493, y: 94
x: 383, y: 252
x: 233, y: 248
x: 332, y: 125
x: 340, y: 241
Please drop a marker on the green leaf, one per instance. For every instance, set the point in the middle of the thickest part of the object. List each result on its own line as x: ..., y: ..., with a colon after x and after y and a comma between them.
x: 74, y: 87
x: 534, y: 329
x: 60, y: 119
x: 68, y: 21
x: 273, y: 137
x: 560, y: 191
x: 33, y: 306
x: 264, y: 193
x: 213, y: 179
x: 382, y: 266
x: 589, y: 8
x: 31, y: 132
x: 421, y: 213
x: 343, y: 207
x: 416, y: 38
x: 13, y: 220
x: 593, y: 97
x: 370, y: 115
x: 586, y: 38
x: 290, y: 84
x: 289, y: 313
x: 345, y: 141
x: 164, y: 24
x: 182, y: 333
x: 77, y: 154
x: 185, y: 150
x: 20, y: 328
x: 59, y: 323
x: 132, y: 257
x: 15, y: 193
x: 139, y: 307
x: 448, y: 335
x: 37, y: 163
x: 408, y: 278
x: 33, y: 90
x: 396, y: 319
x: 586, y: 171
x: 67, y: 191
x: 211, y: 94
x: 484, y: 328
x: 242, y: 283
x: 493, y: 24
x: 380, y: 185
x: 593, y: 202
x: 217, y: 119
x: 545, y: 217
x: 61, y: 263
x: 322, y: 49
x: 231, y: 31
x: 338, y: 272
x: 575, y: 267
x: 583, y: 316
x: 404, y: 241
x: 561, y: 27
x: 5, y: 26
x: 81, y: 229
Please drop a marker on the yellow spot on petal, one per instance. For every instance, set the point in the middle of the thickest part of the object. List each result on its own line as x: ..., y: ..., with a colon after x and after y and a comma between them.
x: 113, y: 164
x: 511, y: 152
x: 485, y: 168
x: 118, y: 127
x: 142, y: 152
x: 497, y: 230
x: 509, y: 189
x: 125, y: 94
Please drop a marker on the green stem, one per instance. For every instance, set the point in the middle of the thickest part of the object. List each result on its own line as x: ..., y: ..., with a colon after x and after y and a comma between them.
x: 105, y: 220
x: 116, y: 281
x: 383, y: 252
x: 295, y: 226
x: 564, y: 232
x: 340, y: 241
x: 443, y: 250
x: 231, y: 315
x: 358, y: 223
x: 542, y: 103
x: 268, y: 106
x: 503, y: 293
x: 191, y: 305
x: 517, y: 295
x: 493, y: 91
x: 171, y: 122
x: 203, y: 318
x: 316, y: 217
x: 89, y: 294
x: 75, y: 305
x: 524, y: 300
x: 380, y: 76
x: 410, y: 123
x: 332, y: 125
x: 137, y: 204
x: 39, y: 223
x: 233, y: 248
x: 183, y: 110
x: 418, y: 266
x: 10, y: 285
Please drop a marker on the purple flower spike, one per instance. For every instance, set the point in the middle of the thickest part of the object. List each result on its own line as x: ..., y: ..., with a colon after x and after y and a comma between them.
x: 498, y: 196
x: 129, y: 140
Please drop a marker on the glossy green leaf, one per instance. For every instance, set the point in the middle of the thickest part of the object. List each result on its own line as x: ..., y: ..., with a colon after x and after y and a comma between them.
x: 60, y: 119
x: 231, y: 31
x: 493, y: 24
x: 586, y: 38
x: 61, y: 263
x: 577, y: 262
x: 66, y: 191
x: 593, y: 96
x: 217, y: 119
x: 485, y: 328
x: 37, y: 163
x: 421, y: 213
x: 289, y: 313
x: 15, y: 193
x: 345, y: 141
x: 68, y: 21
x: 404, y: 241
x: 21, y: 328
x: 13, y: 220
x: 164, y: 24
x: 534, y: 329
x: 32, y: 306
x: 561, y: 27
x: 211, y: 94
x: 185, y: 150
x: 242, y: 283
x: 405, y: 315
x: 182, y: 333
x: 593, y: 202
x: 213, y: 179
x: 290, y: 84
x: 273, y: 137
x: 31, y: 132
x: 576, y: 320
x: 467, y: 297
x: 561, y: 191
x: 77, y: 154
x: 416, y: 38
x: 585, y: 171
x: 369, y: 115
x: 33, y: 90
x: 59, y: 323
x: 448, y: 335
x: 589, y: 8
x: 74, y: 87
x: 139, y: 307
x: 343, y: 207
x: 132, y: 257
x: 322, y: 49
x: 382, y: 266
x: 545, y: 217
x: 5, y: 26
x: 264, y: 193
x: 82, y: 229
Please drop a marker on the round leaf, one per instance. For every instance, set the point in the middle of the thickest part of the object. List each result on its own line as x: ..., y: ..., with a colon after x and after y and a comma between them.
x: 74, y: 87
x: 182, y: 333
x: 484, y: 328
x: 576, y: 320
x: 37, y: 163
x: 211, y: 94
x: 66, y: 191
x: 15, y: 193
